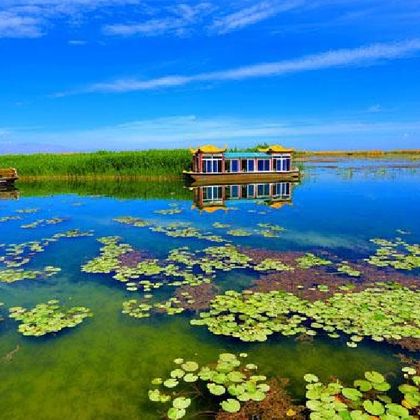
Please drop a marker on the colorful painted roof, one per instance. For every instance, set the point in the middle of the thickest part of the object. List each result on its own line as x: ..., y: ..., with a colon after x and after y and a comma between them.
x: 208, y: 148
x: 245, y: 155
x: 275, y: 148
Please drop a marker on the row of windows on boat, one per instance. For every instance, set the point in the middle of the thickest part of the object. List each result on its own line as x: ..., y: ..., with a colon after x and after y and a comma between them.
x: 280, y: 189
x: 211, y: 165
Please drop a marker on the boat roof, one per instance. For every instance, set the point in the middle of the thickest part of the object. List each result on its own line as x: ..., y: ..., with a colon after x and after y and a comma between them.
x: 275, y: 148
x: 242, y: 155
x: 208, y: 148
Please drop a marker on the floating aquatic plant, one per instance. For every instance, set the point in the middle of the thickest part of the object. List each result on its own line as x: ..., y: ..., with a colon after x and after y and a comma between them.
x: 227, y: 382
x: 397, y: 254
x: 219, y: 225
x: 345, y: 268
x: 132, y: 221
x: 46, y: 318
x: 5, y: 219
x: 168, y: 211
x: 254, y: 316
x: 173, y: 230
x: 27, y: 211
x: 21, y: 254
x: 310, y: 260
x: 43, y: 222
x: 378, y: 313
x: 238, y: 232
x: 270, y: 264
x: 11, y: 275
x: 368, y: 398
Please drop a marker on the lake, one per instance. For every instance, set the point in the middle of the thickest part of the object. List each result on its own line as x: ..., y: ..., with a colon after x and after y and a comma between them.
x: 102, y: 368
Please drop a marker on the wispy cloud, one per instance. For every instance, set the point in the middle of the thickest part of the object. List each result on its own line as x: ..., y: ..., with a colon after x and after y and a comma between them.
x: 190, y: 130
x: 362, y: 56
x: 15, y: 26
x: 253, y: 14
x: 181, y: 19
x: 33, y: 18
x: 375, y: 108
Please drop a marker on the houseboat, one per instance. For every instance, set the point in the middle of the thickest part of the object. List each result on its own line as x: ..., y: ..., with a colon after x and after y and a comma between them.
x: 8, y: 176
x: 211, y: 198
x: 215, y: 165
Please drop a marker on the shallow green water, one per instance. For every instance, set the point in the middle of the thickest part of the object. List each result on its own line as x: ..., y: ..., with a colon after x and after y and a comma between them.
x: 102, y: 368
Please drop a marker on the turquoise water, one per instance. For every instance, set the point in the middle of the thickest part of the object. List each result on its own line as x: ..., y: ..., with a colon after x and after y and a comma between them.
x: 102, y: 368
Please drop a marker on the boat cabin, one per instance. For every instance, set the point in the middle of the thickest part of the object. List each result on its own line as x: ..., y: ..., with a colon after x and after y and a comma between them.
x: 8, y: 176
x: 212, y: 162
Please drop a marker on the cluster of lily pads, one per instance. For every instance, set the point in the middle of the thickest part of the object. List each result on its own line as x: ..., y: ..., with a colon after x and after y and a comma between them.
x: 17, y: 255
x: 5, y: 219
x: 172, y: 211
x: 368, y: 398
x: 46, y: 318
x: 27, y: 211
x: 137, y: 276
x: 397, y: 254
x: 310, y: 260
x: 185, y: 230
x: 43, y: 222
x: 173, y: 230
x: 11, y: 275
x: 142, y: 309
x: 345, y: 268
x: 380, y: 313
x: 227, y: 381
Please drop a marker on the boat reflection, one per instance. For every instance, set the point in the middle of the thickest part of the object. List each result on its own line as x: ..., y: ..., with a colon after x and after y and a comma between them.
x: 210, y: 198
x: 9, y: 193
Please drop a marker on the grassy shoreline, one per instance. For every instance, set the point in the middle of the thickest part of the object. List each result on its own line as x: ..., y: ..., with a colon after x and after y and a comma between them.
x: 149, y: 164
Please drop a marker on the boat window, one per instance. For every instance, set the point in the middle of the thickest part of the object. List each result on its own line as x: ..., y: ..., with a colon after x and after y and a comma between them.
x: 250, y: 165
x: 250, y: 190
x: 282, y: 189
x: 212, y: 165
x: 263, y: 190
x: 263, y: 165
x: 212, y: 193
x: 234, y: 191
x: 234, y: 166
x: 283, y: 164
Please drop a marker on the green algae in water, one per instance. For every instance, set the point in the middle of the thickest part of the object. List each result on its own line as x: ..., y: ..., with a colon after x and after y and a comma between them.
x: 47, y: 318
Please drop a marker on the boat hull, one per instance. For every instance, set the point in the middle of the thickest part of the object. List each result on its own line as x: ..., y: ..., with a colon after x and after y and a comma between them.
x: 8, y: 181
x: 242, y: 177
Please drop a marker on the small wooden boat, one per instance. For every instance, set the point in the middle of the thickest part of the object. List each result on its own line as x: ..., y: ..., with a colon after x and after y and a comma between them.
x: 8, y: 176
x: 214, y: 165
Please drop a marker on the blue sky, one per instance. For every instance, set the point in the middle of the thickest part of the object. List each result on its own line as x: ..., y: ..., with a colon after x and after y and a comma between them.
x: 134, y: 74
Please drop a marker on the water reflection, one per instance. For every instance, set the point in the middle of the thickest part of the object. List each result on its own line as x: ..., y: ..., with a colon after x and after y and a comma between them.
x: 214, y: 197
x: 9, y: 193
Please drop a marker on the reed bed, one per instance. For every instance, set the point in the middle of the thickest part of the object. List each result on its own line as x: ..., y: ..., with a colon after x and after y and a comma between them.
x: 163, y: 163
x: 156, y: 164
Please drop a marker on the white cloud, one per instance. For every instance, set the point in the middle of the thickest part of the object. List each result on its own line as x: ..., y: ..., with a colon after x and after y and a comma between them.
x: 363, y: 56
x: 16, y: 26
x: 32, y: 18
x: 180, y: 20
x: 375, y: 108
x: 251, y: 15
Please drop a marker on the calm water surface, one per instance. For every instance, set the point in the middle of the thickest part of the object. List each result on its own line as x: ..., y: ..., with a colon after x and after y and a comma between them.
x: 102, y: 368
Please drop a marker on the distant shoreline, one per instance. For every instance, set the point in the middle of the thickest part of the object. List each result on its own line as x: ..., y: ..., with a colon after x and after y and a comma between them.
x: 153, y: 165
